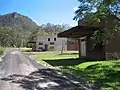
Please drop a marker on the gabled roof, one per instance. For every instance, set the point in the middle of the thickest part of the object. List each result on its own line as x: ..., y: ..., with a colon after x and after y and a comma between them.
x: 78, y: 31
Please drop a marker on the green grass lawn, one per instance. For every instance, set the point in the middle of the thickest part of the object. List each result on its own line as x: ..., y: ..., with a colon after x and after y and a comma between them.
x: 104, y: 73
x: 55, y: 55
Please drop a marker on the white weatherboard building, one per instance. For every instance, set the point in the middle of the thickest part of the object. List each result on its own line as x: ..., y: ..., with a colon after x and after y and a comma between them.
x: 51, y: 43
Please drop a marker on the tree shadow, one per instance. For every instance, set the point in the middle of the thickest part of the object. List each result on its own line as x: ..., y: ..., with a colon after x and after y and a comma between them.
x: 47, y: 79
x: 105, y: 76
x: 68, y: 54
x: 98, y: 75
x: 80, y: 74
x: 69, y: 62
x: 64, y: 62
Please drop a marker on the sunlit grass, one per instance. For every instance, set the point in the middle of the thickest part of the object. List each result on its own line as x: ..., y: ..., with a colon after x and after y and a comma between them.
x: 24, y: 49
x: 55, y: 55
x: 105, y: 73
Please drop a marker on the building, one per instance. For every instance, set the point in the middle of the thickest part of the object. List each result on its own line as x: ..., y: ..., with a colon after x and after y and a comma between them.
x: 83, y: 33
x: 51, y: 43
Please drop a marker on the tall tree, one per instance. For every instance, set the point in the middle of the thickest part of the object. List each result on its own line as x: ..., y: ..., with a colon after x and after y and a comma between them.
x: 96, y: 11
x: 50, y: 29
x: 10, y: 37
x: 104, y: 8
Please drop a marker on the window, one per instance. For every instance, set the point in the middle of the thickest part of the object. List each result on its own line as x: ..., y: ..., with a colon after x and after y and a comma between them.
x: 41, y: 48
x: 54, y: 39
x: 48, y: 39
x: 40, y: 43
x: 51, y: 48
x: 52, y: 43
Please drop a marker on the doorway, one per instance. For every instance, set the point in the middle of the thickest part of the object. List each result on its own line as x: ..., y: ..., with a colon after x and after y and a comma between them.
x: 83, y: 47
x: 46, y: 47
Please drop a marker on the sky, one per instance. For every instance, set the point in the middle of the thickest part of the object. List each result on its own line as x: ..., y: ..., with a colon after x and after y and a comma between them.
x: 42, y: 11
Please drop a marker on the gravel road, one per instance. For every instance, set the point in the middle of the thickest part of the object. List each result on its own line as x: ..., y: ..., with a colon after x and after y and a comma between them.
x: 19, y: 72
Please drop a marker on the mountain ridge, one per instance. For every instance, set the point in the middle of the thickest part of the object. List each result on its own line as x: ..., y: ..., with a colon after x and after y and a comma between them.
x: 18, y: 21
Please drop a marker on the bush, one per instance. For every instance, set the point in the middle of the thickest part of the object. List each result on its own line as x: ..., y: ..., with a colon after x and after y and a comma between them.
x: 1, y: 50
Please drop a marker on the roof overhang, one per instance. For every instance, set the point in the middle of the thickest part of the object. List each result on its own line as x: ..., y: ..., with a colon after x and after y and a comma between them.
x: 78, y: 31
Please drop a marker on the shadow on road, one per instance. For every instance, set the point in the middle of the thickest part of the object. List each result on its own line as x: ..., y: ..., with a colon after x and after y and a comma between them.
x: 47, y: 79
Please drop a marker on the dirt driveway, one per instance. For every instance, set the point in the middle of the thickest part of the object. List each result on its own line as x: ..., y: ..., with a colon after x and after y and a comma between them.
x: 19, y: 72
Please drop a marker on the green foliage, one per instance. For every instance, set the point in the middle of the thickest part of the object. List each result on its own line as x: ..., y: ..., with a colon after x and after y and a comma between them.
x: 51, y: 29
x: 1, y: 50
x: 10, y: 37
x: 95, y: 8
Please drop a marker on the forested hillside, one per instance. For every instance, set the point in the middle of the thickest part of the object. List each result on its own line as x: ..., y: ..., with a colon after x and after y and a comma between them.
x: 18, y: 21
x: 16, y: 30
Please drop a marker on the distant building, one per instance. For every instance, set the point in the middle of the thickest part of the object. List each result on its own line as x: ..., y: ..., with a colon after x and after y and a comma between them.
x: 51, y: 43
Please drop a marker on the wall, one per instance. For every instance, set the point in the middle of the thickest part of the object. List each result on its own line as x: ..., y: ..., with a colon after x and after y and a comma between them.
x: 72, y: 45
x: 98, y: 53
x: 112, y: 48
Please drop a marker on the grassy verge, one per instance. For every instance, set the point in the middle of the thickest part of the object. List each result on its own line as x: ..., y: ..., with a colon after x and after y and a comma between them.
x: 1, y: 50
x: 104, y: 73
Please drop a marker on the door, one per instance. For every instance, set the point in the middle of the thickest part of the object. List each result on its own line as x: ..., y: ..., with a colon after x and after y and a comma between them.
x: 46, y: 47
x: 83, y: 48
